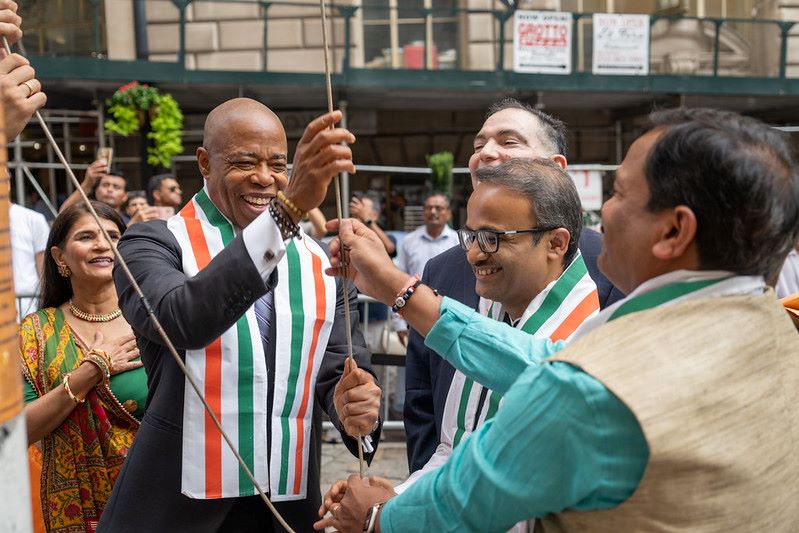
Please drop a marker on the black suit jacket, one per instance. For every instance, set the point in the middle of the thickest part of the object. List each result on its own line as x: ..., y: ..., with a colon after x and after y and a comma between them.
x: 195, y: 311
x: 428, y: 376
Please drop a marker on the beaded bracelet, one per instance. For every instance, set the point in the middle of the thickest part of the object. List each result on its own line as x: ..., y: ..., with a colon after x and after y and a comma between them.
x: 405, y: 294
x: 72, y: 397
x: 288, y: 229
x: 100, y: 363
x: 291, y: 205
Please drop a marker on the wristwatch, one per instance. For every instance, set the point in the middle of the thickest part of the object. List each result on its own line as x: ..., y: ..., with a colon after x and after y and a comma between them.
x: 371, y: 518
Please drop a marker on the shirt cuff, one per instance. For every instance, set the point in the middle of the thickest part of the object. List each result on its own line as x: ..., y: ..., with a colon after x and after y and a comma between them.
x: 398, y: 323
x: 264, y: 244
x: 448, y: 328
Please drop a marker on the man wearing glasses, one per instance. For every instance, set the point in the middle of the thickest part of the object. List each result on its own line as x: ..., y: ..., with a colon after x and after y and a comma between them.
x: 521, y: 234
x: 163, y: 190
x: 511, y: 130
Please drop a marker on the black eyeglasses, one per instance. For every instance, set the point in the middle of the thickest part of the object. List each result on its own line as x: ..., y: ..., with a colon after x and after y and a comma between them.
x: 488, y: 239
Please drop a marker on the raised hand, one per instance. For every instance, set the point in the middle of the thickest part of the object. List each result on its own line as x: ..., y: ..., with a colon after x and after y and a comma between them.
x: 95, y: 171
x: 20, y: 91
x: 357, y: 400
x: 369, y: 266
x: 320, y: 155
x: 10, y: 23
x: 143, y: 214
x: 357, y: 209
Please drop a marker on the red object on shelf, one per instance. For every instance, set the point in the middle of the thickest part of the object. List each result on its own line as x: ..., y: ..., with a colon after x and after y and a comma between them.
x: 413, y: 56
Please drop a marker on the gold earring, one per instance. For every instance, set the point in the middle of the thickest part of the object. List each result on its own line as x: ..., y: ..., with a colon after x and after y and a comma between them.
x: 64, y: 271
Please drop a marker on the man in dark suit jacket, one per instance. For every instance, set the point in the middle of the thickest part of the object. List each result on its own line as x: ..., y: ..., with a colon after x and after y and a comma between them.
x: 511, y: 130
x: 243, y: 160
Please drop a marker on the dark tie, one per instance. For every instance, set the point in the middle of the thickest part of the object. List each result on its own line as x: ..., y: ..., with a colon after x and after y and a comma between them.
x: 483, y: 390
x: 263, y: 314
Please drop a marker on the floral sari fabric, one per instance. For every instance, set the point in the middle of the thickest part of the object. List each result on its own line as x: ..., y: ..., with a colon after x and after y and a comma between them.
x: 81, y: 457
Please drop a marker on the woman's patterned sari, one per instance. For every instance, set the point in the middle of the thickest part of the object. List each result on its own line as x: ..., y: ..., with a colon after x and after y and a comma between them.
x: 82, y: 456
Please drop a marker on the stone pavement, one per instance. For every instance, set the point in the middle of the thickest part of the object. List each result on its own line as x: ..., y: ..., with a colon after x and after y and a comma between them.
x: 390, y: 462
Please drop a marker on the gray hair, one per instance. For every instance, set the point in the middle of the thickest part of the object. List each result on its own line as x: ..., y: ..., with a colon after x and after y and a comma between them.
x: 548, y: 188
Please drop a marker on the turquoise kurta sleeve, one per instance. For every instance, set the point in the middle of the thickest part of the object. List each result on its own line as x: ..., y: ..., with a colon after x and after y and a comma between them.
x: 490, y: 352
x: 561, y: 440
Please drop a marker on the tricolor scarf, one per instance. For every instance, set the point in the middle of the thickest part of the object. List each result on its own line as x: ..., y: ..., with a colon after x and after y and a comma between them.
x: 231, y: 370
x: 676, y: 287
x: 555, y: 313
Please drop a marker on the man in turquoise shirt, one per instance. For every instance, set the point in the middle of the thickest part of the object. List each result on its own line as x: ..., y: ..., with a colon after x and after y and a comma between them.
x: 562, y: 440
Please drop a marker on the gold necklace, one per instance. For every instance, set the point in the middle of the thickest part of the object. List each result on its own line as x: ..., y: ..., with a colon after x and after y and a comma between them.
x: 90, y: 317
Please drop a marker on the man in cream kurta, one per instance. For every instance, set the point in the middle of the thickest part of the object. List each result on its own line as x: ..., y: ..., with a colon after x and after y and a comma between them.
x: 674, y: 409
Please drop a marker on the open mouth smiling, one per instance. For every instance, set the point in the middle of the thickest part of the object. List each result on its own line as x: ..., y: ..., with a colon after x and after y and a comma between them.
x: 257, y: 200
x: 486, y: 271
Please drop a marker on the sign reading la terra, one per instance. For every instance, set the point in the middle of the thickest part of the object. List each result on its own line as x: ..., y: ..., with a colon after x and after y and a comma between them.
x: 621, y: 44
x: 542, y: 42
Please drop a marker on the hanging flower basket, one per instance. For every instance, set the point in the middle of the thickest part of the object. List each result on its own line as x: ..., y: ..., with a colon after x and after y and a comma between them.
x: 132, y: 103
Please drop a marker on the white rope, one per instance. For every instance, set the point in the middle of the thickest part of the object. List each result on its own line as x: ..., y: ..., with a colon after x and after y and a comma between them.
x: 339, y: 209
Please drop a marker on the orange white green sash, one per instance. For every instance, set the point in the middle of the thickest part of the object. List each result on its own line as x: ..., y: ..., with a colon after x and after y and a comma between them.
x: 675, y: 287
x: 232, y: 373
x: 555, y: 313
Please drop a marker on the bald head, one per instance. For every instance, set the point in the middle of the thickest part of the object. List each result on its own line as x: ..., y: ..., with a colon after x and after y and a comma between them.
x: 223, y: 117
x: 244, y: 158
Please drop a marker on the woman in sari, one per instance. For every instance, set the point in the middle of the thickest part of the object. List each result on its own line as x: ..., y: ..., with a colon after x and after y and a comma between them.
x: 85, y: 387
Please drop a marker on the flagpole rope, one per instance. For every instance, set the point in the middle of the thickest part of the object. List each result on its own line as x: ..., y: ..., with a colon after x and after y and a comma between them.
x: 339, y: 214
x: 151, y: 313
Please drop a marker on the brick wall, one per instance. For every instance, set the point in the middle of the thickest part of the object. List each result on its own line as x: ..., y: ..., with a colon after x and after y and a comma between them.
x: 230, y: 36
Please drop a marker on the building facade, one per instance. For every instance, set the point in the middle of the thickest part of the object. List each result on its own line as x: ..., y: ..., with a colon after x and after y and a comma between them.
x: 415, y: 76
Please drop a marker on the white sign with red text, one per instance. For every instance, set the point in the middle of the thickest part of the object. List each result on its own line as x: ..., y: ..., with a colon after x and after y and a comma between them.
x: 589, y: 187
x: 621, y: 44
x: 542, y: 42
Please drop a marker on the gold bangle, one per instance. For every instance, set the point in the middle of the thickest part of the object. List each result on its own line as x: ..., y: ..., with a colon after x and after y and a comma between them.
x: 72, y: 397
x: 104, y: 355
x: 100, y: 363
x: 291, y: 206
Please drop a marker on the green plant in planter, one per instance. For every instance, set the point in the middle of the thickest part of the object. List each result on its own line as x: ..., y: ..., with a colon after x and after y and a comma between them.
x: 128, y: 106
x: 441, y: 166
x: 166, y: 130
